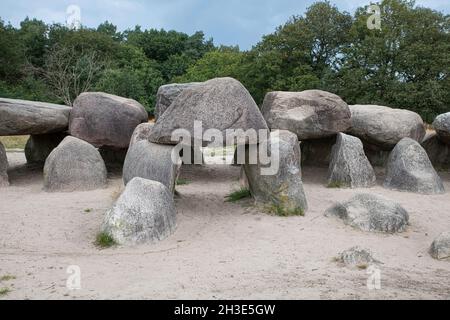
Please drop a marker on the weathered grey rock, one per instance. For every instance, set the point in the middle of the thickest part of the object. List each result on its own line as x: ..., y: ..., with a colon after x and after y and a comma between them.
x: 282, y: 188
x: 243, y: 180
x: 440, y: 249
x: 410, y: 169
x: 349, y: 165
x: 371, y: 213
x: 20, y: 117
x: 442, y: 127
x: 311, y: 114
x: 105, y: 120
x: 4, y: 182
x: 74, y: 165
x: 144, y: 213
x: 385, y: 127
x: 317, y: 152
x: 142, y: 132
x: 168, y: 94
x: 153, y: 162
x: 438, y: 151
x: 357, y: 257
x: 39, y: 147
x: 220, y: 104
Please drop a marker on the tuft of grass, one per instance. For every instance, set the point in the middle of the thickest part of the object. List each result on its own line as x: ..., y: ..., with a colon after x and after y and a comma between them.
x: 362, y: 266
x: 238, y: 195
x: 336, y: 185
x: 88, y: 211
x: 182, y: 182
x: 278, y: 210
x: 4, y: 291
x: 104, y: 241
x: 14, y: 142
x: 7, y: 277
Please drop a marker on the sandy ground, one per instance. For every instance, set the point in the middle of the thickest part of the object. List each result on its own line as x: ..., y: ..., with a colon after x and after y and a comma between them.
x: 219, y: 251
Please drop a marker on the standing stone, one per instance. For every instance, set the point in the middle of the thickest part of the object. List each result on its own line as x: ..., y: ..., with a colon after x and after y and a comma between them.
x: 438, y: 151
x: 105, y: 120
x: 144, y: 213
x: 20, y: 117
x: 221, y: 104
x: 349, y: 165
x: 74, y: 165
x: 371, y: 213
x: 440, y: 249
x: 410, y: 169
x: 282, y: 188
x: 311, y: 114
x: 384, y: 127
x: 442, y: 127
x: 4, y: 182
x: 39, y: 147
x: 243, y: 180
x: 142, y: 132
x: 153, y: 162
x: 168, y: 94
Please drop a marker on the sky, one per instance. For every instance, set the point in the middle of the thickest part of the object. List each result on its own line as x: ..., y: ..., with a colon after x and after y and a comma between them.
x: 228, y: 22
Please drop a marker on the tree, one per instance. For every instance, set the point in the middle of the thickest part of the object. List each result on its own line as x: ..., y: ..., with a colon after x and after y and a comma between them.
x: 68, y: 73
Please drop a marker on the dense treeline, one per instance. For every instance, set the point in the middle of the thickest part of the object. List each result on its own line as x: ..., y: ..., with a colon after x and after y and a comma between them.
x: 406, y: 64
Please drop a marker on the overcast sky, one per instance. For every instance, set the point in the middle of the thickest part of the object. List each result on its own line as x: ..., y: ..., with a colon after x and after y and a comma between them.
x: 229, y: 22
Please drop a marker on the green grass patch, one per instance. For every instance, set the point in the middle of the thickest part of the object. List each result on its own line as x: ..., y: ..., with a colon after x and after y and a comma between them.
x: 7, y: 277
x: 104, y: 241
x: 182, y: 182
x: 4, y: 291
x: 238, y: 195
x: 278, y: 210
x: 88, y: 211
x: 14, y: 142
x: 336, y: 185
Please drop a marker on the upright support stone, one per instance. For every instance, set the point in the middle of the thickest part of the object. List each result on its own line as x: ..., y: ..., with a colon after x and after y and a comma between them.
x: 4, y: 182
x: 349, y: 165
x: 281, y: 189
x: 153, y: 162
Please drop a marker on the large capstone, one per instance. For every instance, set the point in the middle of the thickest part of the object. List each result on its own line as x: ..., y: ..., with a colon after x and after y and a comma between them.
x: 105, y: 120
x: 371, y: 213
x: 4, y: 182
x: 442, y: 127
x: 384, y: 127
x: 39, y: 147
x: 168, y: 94
x: 311, y: 114
x: 153, y: 162
x: 349, y: 165
x: 279, y: 183
x: 440, y: 249
x: 222, y: 104
x: 144, y: 213
x: 74, y: 165
x: 20, y: 117
x: 410, y: 169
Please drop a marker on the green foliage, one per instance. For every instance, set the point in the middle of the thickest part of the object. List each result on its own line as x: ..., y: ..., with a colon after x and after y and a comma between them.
x: 104, y: 241
x: 336, y: 185
x: 4, y: 291
x: 405, y: 64
x: 238, y: 195
x: 280, y: 211
x: 182, y: 182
